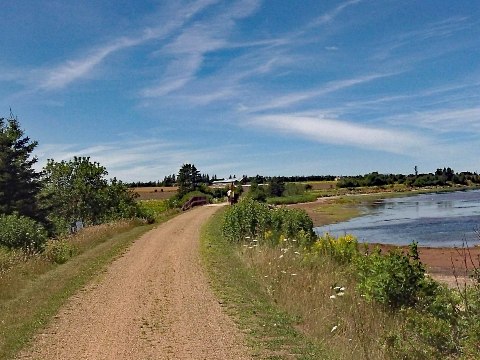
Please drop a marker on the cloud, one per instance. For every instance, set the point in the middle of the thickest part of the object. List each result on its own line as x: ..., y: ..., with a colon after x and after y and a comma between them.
x: 457, y: 120
x: 141, y: 160
x: 331, y: 15
x: 72, y: 70
x: 333, y: 131
x: 64, y: 74
x: 190, y: 47
x: 297, y: 97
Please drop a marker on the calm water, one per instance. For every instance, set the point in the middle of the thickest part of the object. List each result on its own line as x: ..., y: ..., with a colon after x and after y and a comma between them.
x: 441, y: 219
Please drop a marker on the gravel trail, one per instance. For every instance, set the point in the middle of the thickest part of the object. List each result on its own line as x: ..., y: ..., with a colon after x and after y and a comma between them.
x: 154, y: 302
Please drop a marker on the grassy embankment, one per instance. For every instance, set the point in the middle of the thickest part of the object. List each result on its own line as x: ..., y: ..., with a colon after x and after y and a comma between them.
x: 271, y: 332
x: 33, y: 288
x: 298, y: 303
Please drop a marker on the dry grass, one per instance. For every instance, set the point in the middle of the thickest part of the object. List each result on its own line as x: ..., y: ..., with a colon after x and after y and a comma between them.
x: 33, y: 288
x: 339, y: 319
x: 155, y: 193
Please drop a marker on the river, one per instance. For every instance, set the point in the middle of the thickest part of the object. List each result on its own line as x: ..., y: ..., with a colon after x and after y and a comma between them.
x: 434, y: 219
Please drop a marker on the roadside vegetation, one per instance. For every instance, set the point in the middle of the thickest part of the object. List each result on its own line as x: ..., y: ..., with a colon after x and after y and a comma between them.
x: 34, y: 287
x: 58, y: 229
x: 359, y: 304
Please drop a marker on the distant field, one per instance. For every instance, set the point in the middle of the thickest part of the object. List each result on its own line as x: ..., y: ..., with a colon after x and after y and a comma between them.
x: 322, y: 185
x: 155, y: 193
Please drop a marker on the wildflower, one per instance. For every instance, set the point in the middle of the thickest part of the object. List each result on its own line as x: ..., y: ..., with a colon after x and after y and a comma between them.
x: 334, y: 328
x: 283, y: 272
x: 294, y: 274
x: 281, y: 256
x: 296, y: 252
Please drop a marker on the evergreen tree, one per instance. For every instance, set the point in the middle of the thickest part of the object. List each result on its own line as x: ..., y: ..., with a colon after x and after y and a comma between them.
x: 188, y: 179
x: 19, y: 182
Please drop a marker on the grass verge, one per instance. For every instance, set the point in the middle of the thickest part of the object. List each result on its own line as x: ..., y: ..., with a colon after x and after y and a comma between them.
x: 41, y: 287
x: 270, y: 332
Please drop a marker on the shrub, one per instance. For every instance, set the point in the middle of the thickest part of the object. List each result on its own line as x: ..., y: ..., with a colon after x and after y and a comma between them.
x: 251, y: 219
x: 395, y: 279
x: 18, y: 231
x: 59, y: 251
x: 342, y: 249
x: 248, y: 218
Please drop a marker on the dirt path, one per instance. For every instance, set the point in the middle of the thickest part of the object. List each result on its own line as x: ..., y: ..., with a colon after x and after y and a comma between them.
x: 152, y: 303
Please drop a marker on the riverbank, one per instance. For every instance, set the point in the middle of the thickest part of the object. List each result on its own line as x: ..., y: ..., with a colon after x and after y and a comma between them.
x: 449, y: 265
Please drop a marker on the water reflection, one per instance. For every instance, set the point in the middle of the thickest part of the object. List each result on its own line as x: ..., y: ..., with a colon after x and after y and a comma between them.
x: 442, y: 219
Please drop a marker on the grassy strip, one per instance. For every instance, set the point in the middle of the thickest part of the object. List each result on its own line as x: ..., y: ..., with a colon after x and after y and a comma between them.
x: 271, y: 333
x: 35, y: 303
x: 292, y: 199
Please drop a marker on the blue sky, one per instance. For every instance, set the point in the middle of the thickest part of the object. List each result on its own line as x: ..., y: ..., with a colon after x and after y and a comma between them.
x: 249, y: 87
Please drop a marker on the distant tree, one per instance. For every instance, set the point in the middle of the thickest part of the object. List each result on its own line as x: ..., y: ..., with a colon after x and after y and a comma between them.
x: 276, y: 186
x: 19, y: 182
x: 188, y: 179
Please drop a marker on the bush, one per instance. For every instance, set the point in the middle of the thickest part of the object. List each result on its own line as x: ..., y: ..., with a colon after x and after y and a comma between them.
x: 248, y: 218
x: 18, y: 231
x: 59, y: 251
x: 395, y: 279
x: 251, y: 219
x: 342, y: 249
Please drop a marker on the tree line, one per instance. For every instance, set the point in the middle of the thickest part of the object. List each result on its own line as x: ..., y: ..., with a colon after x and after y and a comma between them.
x: 35, y: 205
x: 441, y: 177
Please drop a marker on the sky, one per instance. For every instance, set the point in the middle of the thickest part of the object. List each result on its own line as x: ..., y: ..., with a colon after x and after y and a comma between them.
x: 246, y: 87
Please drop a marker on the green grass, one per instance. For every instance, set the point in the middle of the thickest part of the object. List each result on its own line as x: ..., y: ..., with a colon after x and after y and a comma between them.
x: 33, y: 290
x: 270, y: 332
x: 292, y: 199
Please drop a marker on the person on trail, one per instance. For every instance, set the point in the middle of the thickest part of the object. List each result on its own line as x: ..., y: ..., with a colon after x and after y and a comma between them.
x: 231, y: 194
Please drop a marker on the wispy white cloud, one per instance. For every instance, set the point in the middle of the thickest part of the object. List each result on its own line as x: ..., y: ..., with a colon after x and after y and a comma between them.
x: 466, y: 120
x: 333, y: 131
x: 147, y: 159
x: 60, y: 76
x: 190, y: 47
x: 301, y: 96
x: 429, y: 36
x: 72, y: 70
x: 332, y: 14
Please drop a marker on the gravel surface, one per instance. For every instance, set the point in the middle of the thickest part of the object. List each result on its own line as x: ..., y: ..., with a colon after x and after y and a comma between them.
x: 154, y: 302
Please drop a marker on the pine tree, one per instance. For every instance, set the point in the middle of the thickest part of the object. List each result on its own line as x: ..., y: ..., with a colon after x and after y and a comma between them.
x: 19, y: 182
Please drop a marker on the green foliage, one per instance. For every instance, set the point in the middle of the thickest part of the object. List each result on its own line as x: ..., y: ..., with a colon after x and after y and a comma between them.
x: 251, y: 219
x: 343, y: 249
x: 292, y: 199
x: 188, y: 179
x: 441, y: 177
x: 294, y: 189
x: 59, y: 251
x: 248, y: 218
x: 19, y: 182
x: 78, y: 190
x: 257, y: 192
x: 17, y: 231
x: 395, y: 279
x: 276, y: 187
